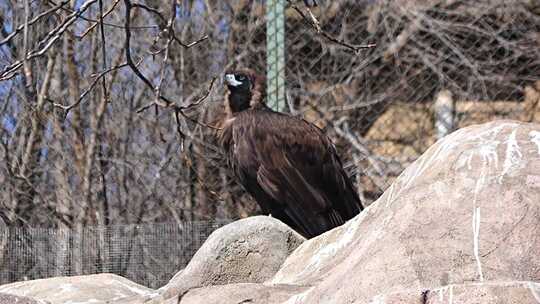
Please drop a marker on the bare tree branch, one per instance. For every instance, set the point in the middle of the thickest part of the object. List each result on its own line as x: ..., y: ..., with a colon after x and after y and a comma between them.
x: 34, y: 20
x: 97, y: 77
x: 47, y: 42
x: 103, y: 51
x: 315, y: 24
x: 101, y: 17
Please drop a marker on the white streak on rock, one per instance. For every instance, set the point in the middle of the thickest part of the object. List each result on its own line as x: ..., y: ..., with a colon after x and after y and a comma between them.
x: 422, y: 164
x: 131, y: 288
x: 476, y: 235
x: 298, y: 298
x: 446, y: 289
x: 534, y: 291
x: 89, y: 301
x: 535, y: 138
x: 441, y: 294
x: 379, y: 299
x: 125, y: 284
x: 390, y: 197
x: 513, y: 158
x: 489, y: 154
x: 476, y: 210
x: 493, y: 132
x: 67, y: 288
x: 326, y: 251
x: 330, y: 250
x: 487, y: 150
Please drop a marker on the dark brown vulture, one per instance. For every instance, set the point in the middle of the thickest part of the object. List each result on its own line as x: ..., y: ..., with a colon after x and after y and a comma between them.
x: 287, y: 164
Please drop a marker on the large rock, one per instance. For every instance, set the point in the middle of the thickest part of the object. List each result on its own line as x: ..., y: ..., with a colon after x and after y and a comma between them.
x: 460, y: 224
x: 13, y: 299
x: 468, y: 210
x: 95, y: 289
x: 250, y: 250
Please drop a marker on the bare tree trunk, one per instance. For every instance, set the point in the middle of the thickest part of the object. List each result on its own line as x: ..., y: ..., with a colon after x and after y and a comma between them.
x: 103, y: 216
x: 74, y: 84
x: 206, y: 206
x: 30, y: 158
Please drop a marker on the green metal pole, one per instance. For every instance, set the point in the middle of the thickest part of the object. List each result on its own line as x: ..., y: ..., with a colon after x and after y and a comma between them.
x: 275, y: 54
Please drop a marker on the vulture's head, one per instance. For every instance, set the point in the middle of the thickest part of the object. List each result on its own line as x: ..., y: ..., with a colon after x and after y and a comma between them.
x: 246, y: 89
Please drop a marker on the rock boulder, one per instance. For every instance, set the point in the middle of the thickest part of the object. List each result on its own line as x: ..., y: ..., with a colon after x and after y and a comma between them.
x: 468, y: 210
x: 250, y: 250
x: 95, y: 289
x: 13, y: 299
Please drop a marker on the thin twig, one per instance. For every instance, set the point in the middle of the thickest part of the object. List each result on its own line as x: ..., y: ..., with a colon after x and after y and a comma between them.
x: 34, y: 20
x: 187, y: 46
x: 143, y: 27
x: 47, y: 42
x: 103, y: 52
x: 202, y: 98
x: 314, y: 20
x: 315, y: 24
x: 182, y: 108
x: 150, y: 9
x: 170, y: 29
x: 200, y: 181
x: 26, y: 66
x: 97, y: 76
x: 159, y: 100
x: 101, y: 17
x: 127, y: 50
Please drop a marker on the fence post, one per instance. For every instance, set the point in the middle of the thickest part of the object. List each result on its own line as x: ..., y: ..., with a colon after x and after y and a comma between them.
x: 4, y: 243
x: 275, y: 54
x: 444, y: 109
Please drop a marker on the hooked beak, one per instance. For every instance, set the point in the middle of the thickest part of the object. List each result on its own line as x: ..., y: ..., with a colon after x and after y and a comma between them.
x: 231, y: 80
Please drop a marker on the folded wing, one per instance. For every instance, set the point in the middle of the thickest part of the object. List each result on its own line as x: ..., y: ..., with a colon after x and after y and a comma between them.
x: 293, y: 171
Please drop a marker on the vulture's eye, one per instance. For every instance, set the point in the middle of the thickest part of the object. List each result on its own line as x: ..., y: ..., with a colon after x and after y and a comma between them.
x: 240, y: 77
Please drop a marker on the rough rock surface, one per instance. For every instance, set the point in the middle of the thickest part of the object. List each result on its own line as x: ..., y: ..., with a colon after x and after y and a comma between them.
x: 250, y: 250
x: 468, y: 210
x: 95, y: 289
x: 460, y: 225
x: 490, y: 292
x: 12, y: 299
x: 241, y: 293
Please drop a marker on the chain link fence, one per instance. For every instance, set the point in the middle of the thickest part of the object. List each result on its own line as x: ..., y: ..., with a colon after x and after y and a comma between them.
x: 149, y: 254
x: 436, y: 66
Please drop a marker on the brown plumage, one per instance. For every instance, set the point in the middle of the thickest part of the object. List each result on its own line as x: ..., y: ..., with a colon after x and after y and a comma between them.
x: 287, y: 164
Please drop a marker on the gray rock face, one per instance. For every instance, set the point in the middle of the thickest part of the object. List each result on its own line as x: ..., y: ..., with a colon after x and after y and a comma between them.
x: 468, y: 210
x: 490, y: 292
x: 241, y: 293
x: 250, y: 250
x: 12, y: 299
x: 95, y: 289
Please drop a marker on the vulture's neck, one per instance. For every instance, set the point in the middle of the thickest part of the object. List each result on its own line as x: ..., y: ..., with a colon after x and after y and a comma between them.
x: 239, y: 101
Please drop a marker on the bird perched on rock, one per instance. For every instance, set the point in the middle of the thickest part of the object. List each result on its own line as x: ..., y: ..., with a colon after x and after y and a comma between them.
x: 286, y: 163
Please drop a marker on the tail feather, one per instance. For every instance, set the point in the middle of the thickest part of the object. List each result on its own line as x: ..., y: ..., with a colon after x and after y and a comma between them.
x: 335, y: 218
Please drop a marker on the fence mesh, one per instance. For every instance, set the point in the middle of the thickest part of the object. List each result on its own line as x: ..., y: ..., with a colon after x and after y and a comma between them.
x: 149, y: 254
x: 437, y: 66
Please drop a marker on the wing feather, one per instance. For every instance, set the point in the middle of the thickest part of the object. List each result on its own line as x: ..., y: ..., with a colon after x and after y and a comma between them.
x: 292, y: 169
